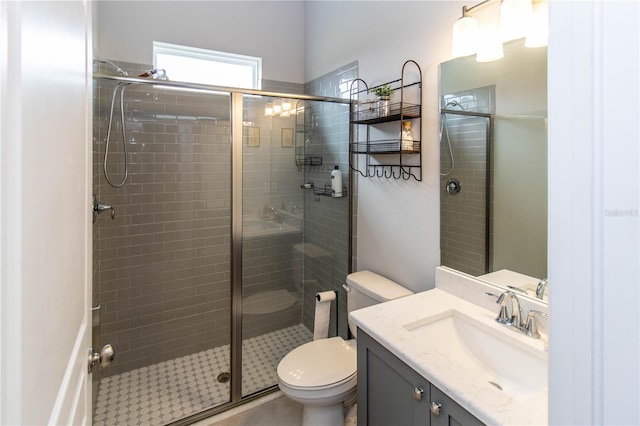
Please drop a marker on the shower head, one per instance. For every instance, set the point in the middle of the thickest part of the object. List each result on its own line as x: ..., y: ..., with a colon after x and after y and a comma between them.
x: 108, y: 62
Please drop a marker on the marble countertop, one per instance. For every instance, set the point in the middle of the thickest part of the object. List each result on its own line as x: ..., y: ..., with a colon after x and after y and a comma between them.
x: 385, y: 323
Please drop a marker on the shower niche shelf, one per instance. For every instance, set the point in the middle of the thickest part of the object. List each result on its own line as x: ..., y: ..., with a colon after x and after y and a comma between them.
x: 375, y: 145
x: 309, y: 160
x: 326, y: 191
x: 307, y: 133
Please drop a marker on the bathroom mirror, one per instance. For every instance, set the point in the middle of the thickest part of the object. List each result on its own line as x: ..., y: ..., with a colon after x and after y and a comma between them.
x: 493, y: 168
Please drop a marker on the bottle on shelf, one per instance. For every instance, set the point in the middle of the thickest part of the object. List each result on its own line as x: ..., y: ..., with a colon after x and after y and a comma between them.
x: 336, y: 182
x: 406, y: 137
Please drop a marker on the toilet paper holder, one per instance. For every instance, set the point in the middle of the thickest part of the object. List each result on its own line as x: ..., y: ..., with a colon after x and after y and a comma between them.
x: 322, y: 314
x: 323, y: 296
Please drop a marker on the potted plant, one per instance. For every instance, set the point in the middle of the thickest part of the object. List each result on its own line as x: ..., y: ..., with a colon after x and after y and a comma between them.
x: 383, y: 93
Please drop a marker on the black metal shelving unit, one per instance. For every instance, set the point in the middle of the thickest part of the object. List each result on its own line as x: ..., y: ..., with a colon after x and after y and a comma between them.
x: 385, y: 157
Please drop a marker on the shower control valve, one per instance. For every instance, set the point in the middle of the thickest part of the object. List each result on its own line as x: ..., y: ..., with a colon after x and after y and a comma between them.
x: 453, y: 186
x: 98, y: 208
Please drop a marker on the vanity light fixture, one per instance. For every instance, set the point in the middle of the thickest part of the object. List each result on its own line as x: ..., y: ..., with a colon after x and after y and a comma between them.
x: 489, y: 45
x: 465, y: 31
x: 515, y: 19
x: 518, y: 18
x: 538, y: 33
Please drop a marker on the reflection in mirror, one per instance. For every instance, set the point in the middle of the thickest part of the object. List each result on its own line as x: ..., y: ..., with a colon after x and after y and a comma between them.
x: 493, y: 168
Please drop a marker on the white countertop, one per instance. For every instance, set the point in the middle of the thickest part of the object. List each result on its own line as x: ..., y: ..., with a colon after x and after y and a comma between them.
x: 385, y: 323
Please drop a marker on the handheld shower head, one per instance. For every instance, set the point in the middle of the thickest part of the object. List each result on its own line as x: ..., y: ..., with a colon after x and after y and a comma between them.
x: 108, y: 62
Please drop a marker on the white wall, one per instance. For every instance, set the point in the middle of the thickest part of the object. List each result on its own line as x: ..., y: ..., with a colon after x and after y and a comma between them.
x: 272, y: 30
x: 398, y: 221
x: 594, y: 230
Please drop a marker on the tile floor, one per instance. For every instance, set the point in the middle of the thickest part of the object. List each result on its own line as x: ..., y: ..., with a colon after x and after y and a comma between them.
x: 271, y: 410
x: 170, y: 390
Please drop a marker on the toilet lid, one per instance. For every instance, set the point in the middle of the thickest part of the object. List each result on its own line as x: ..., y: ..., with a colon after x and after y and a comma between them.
x: 319, y: 363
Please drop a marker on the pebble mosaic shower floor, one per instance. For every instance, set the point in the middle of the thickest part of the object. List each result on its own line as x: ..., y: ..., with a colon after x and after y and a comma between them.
x: 170, y: 390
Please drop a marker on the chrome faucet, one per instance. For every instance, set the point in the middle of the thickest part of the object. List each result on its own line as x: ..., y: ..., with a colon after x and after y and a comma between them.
x: 531, y: 326
x: 515, y: 318
x: 542, y: 286
x: 514, y: 321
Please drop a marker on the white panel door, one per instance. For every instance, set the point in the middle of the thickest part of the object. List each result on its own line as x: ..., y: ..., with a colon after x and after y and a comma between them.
x: 45, y: 220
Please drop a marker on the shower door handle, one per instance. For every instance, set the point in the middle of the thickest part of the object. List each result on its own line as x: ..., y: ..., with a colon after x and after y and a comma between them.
x: 104, y: 358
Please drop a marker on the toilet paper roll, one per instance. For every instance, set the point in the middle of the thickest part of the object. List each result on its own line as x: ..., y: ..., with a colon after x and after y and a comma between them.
x: 323, y: 309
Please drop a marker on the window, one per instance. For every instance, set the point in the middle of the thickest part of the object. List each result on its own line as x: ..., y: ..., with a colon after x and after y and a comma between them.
x: 184, y: 63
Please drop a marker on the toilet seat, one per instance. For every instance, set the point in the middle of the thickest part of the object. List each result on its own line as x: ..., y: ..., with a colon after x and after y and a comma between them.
x: 319, y: 364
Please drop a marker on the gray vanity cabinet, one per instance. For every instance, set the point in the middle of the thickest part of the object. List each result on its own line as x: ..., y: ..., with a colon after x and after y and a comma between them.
x: 391, y: 393
x: 450, y: 413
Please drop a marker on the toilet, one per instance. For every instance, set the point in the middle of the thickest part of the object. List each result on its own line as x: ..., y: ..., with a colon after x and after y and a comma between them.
x: 321, y: 374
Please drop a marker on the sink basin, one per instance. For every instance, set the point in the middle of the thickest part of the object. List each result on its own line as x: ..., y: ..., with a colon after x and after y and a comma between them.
x: 483, y: 351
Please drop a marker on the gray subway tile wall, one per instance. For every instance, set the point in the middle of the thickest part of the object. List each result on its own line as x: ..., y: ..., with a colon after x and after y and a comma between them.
x: 463, y: 216
x: 163, y: 264
x: 327, y: 219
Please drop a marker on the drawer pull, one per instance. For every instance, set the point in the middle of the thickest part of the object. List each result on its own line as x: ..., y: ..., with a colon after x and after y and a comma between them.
x: 417, y: 393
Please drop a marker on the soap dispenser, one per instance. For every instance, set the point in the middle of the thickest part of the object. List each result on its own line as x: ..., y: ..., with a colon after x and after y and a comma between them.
x: 336, y: 182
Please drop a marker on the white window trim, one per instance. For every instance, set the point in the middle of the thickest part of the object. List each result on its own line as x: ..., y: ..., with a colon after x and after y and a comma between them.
x: 255, y: 63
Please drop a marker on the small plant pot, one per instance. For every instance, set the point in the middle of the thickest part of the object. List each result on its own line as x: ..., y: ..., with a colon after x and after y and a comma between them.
x: 384, y: 106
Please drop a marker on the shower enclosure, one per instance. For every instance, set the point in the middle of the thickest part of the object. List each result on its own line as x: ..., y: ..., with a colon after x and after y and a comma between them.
x: 205, y: 276
x: 465, y: 189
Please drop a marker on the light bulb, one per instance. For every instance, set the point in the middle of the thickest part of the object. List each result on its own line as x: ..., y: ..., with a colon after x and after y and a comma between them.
x: 464, y: 39
x: 515, y: 18
x: 268, y: 109
x: 489, y: 46
x: 538, y: 34
x: 286, y: 104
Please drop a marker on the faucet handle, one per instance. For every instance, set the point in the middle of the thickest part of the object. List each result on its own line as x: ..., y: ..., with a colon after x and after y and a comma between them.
x: 503, y: 315
x: 531, y: 326
x: 540, y: 288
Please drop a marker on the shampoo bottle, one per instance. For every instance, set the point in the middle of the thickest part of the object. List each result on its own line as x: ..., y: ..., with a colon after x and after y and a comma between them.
x: 336, y: 182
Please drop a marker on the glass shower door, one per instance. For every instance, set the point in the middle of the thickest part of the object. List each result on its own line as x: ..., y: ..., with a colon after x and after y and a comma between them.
x: 295, y: 234
x: 162, y: 265
x: 273, y: 229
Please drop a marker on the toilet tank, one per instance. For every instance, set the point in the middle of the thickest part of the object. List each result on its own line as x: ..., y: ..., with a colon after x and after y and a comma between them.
x: 366, y: 288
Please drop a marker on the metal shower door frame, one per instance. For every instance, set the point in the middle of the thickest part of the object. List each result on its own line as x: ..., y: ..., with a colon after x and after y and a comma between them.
x: 236, y: 108
x: 488, y: 137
